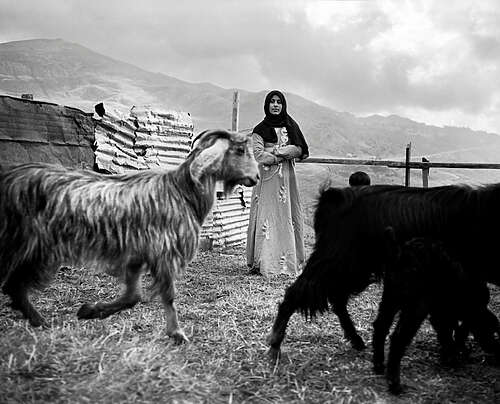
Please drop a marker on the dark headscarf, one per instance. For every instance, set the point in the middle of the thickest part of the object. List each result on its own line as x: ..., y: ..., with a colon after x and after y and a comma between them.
x: 270, y: 121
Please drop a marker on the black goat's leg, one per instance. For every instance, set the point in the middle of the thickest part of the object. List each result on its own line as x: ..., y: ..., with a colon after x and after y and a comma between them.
x: 350, y: 332
x: 461, y: 335
x: 173, y: 328
x: 486, y: 330
x: 409, y: 322
x: 16, y: 288
x: 386, y: 312
x: 444, y: 327
x: 129, y: 298
x: 275, y: 338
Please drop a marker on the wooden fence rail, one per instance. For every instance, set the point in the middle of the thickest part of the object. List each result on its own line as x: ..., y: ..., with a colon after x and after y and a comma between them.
x: 424, y: 165
x: 400, y: 164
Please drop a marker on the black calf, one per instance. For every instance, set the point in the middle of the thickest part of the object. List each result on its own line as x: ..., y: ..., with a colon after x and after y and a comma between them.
x: 420, y: 280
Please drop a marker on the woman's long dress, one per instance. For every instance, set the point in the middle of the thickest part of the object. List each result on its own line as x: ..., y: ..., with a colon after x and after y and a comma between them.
x: 275, y: 241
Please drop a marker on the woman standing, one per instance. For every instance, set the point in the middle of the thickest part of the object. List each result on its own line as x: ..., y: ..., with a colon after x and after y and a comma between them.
x: 275, y: 240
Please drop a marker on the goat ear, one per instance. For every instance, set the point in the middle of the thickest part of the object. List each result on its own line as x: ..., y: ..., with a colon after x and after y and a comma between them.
x: 209, y: 160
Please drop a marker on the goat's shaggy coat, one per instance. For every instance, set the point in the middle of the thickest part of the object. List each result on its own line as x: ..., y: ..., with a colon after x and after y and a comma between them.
x: 124, y: 224
x: 349, y: 253
x: 422, y: 279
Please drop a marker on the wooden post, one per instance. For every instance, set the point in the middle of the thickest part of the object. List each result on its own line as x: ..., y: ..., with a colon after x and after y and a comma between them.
x: 407, y: 165
x: 236, y: 111
x: 425, y: 173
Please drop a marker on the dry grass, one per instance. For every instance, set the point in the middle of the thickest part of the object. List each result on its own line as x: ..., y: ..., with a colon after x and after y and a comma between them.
x: 227, y: 314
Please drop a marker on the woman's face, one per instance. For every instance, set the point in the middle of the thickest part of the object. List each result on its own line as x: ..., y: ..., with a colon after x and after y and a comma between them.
x: 275, y: 105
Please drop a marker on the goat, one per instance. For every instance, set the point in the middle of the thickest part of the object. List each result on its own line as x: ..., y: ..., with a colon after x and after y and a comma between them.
x: 348, y: 254
x: 124, y: 224
x: 422, y: 279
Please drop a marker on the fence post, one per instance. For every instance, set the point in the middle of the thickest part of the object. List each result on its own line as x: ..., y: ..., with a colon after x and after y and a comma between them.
x: 407, y: 165
x: 236, y: 111
x: 425, y: 173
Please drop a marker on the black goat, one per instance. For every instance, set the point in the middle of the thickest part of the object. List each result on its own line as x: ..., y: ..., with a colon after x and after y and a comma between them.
x: 421, y: 279
x: 349, y: 252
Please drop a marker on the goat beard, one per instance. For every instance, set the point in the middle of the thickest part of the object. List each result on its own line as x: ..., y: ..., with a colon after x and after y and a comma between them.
x: 229, y: 186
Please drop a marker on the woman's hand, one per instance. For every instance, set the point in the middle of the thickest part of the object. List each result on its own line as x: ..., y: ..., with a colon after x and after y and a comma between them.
x: 288, y: 152
x: 277, y: 151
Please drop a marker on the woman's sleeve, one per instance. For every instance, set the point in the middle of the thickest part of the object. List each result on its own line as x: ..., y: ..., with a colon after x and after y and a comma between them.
x: 289, y: 152
x: 261, y: 155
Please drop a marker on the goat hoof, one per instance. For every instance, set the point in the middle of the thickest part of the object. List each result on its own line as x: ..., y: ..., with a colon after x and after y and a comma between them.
x: 379, y: 368
x: 450, y: 360
x: 395, y: 388
x: 179, y: 337
x: 87, y: 311
x: 36, y: 320
x: 270, y: 338
x: 357, y: 343
x: 273, y: 355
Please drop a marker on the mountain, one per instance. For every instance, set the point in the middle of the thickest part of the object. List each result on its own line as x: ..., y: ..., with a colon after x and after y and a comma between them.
x: 66, y: 73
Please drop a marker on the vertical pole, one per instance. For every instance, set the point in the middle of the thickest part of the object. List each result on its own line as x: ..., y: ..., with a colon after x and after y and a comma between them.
x: 236, y: 111
x: 407, y: 169
x: 425, y: 173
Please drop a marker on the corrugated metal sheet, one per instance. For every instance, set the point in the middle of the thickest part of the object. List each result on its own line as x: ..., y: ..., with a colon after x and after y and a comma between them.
x: 140, y: 139
x: 230, y: 218
x: 144, y: 138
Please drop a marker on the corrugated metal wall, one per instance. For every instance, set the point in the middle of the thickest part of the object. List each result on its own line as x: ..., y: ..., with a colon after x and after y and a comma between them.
x: 230, y: 218
x: 142, y: 139
x: 147, y: 138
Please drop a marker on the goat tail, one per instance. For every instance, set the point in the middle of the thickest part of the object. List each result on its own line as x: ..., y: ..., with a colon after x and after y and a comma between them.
x: 309, y: 293
x: 25, y: 240
x: 23, y: 257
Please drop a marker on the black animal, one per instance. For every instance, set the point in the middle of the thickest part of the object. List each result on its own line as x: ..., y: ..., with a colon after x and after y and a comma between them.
x: 421, y: 279
x: 349, y: 252
x: 123, y: 224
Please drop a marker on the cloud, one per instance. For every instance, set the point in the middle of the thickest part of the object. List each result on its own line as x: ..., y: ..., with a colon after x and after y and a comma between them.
x: 433, y: 59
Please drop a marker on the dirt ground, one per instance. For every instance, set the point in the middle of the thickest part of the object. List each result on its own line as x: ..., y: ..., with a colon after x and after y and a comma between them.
x: 227, y: 314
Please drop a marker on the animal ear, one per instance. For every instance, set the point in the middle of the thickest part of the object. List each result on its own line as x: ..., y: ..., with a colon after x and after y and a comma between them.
x: 207, y: 135
x: 209, y: 160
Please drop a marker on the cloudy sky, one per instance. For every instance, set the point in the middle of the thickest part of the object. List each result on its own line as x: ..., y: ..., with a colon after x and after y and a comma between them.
x: 432, y: 61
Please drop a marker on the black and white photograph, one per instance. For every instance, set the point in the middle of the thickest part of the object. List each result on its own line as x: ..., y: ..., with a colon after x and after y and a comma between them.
x: 236, y: 201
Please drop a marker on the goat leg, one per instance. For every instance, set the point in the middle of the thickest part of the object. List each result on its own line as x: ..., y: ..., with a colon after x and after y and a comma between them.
x: 17, y: 290
x: 130, y: 297
x: 173, y: 329
x: 274, y: 340
x: 408, y: 325
x: 340, y: 309
x: 444, y: 327
x: 486, y: 330
x: 387, y: 310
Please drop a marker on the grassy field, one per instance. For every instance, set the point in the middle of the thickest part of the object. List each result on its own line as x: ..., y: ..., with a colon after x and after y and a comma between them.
x: 227, y: 315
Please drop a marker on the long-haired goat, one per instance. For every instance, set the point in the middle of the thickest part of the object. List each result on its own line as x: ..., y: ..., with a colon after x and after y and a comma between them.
x: 422, y: 279
x: 348, y: 255
x: 125, y: 224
